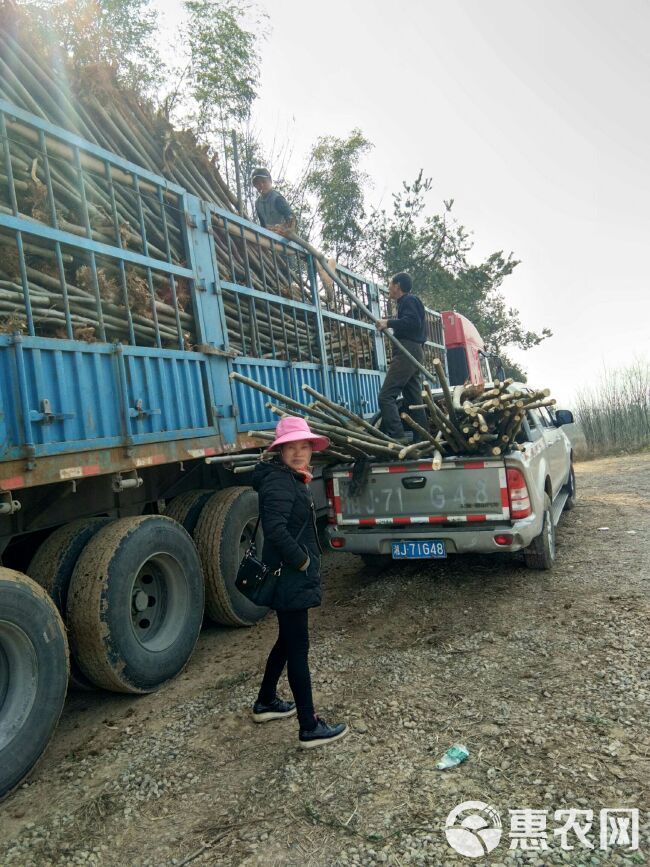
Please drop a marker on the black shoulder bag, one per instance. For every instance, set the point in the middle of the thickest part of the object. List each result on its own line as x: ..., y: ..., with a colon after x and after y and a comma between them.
x: 255, y: 580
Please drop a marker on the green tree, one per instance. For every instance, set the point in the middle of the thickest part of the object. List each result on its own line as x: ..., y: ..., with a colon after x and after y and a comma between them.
x: 431, y: 248
x: 336, y: 181
x: 120, y: 33
x: 222, y: 69
x: 435, y: 250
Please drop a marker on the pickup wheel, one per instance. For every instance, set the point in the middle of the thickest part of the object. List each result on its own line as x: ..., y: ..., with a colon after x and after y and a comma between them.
x: 52, y: 567
x: 33, y: 675
x: 540, y: 554
x: 135, y: 604
x: 572, y: 498
x: 223, y: 532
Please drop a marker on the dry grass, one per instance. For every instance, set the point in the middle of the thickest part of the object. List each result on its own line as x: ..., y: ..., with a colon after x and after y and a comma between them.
x: 615, y: 415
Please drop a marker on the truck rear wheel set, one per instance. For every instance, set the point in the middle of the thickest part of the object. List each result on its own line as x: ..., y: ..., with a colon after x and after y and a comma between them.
x: 132, y: 593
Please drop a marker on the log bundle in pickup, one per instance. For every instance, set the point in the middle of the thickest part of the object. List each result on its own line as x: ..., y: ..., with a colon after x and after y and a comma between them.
x: 473, y: 419
x: 466, y: 420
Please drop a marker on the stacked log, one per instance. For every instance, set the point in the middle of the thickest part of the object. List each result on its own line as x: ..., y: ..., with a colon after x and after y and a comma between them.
x: 40, y: 79
x: 468, y: 420
x: 475, y: 419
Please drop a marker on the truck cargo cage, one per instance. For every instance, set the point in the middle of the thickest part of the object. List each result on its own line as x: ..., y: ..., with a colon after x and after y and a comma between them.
x: 126, y: 301
x: 92, y: 246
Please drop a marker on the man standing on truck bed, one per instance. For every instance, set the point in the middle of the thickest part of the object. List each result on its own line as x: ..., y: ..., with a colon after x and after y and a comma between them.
x: 403, y: 376
x: 273, y: 211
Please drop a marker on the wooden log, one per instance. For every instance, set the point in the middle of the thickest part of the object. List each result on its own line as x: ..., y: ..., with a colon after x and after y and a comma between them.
x: 344, y: 411
x: 444, y: 384
x: 444, y: 422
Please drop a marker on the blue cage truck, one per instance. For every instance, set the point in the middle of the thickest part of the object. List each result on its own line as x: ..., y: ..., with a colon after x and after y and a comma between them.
x: 131, y: 288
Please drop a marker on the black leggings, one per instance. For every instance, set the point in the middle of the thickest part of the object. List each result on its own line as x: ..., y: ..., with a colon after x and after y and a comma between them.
x: 291, y: 649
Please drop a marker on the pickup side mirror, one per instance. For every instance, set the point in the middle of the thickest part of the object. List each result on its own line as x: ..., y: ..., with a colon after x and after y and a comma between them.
x: 563, y: 416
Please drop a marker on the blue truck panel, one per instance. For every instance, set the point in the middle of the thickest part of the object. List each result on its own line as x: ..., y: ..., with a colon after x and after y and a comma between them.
x: 356, y: 389
x: 283, y: 377
x: 74, y: 399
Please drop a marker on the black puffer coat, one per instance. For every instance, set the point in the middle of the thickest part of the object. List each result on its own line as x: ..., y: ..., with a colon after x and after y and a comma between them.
x: 285, y: 506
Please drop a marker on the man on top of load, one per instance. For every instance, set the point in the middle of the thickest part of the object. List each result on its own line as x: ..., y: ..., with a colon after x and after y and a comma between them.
x: 403, y: 376
x: 273, y: 210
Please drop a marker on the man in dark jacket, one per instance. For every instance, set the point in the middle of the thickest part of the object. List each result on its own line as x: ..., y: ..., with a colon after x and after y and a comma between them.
x: 403, y: 377
x: 273, y: 211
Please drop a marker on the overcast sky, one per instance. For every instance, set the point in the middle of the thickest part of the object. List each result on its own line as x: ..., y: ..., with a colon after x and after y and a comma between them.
x: 533, y: 116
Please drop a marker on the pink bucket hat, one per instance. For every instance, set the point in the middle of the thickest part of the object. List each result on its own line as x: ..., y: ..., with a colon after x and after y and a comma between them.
x: 293, y: 428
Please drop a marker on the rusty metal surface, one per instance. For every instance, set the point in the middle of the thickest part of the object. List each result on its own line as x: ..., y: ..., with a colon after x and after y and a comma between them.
x: 48, y: 470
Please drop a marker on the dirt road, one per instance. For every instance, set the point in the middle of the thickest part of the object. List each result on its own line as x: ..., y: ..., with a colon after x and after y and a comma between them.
x: 545, y: 677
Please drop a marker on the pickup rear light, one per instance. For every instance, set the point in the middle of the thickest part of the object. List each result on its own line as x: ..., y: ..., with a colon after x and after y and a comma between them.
x: 337, y: 542
x: 518, y: 494
x: 503, y: 539
x: 329, y: 490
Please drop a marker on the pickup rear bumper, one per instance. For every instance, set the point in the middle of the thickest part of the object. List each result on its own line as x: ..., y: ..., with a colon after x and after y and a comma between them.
x: 458, y: 540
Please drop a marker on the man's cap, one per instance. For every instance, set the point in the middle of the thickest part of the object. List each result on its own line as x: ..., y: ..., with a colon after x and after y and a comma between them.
x: 260, y: 173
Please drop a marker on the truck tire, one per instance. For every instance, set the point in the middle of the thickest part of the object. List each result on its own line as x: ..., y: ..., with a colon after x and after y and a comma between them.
x: 53, y: 563
x: 52, y: 567
x: 187, y: 507
x: 572, y: 498
x: 33, y: 675
x: 540, y: 554
x: 222, y: 534
x: 135, y: 604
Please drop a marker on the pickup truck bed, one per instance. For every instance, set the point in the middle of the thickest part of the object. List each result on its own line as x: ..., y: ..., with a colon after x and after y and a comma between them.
x: 481, y: 506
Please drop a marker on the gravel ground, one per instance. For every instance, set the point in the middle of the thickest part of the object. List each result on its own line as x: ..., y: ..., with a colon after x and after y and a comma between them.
x: 545, y: 677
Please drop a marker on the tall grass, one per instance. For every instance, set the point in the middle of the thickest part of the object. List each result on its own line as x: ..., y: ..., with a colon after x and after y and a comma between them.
x: 615, y: 415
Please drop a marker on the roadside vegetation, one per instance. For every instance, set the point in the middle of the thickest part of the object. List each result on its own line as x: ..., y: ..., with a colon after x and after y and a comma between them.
x: 615, y: 414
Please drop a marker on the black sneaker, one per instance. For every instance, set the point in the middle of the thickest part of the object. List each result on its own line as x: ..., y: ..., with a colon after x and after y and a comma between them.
x: 322, y: 734
x: 278, y: 709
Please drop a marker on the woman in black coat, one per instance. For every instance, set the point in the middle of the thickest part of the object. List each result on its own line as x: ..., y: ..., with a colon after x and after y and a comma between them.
x: 291, y: 540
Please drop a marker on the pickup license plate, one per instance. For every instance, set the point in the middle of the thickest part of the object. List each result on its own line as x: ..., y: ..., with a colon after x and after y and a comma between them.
x: 434, y: 548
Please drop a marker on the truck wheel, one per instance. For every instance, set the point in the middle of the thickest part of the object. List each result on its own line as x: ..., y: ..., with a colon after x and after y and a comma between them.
x: 571, y: 501
x: 52, y: 567
x: 222, y: 534
x: 135, y: 604
x: 540, y: 554
x: 187, y: 507
x: 33, y: 675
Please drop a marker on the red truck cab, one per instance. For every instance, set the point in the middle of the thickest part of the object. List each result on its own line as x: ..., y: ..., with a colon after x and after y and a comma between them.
x: 467, y: 359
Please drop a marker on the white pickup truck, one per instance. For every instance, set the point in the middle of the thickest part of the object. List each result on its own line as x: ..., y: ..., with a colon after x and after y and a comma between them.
x: 483, y: 505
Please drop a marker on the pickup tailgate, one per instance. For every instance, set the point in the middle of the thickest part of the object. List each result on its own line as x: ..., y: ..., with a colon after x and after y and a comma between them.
x: 413, y: 493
